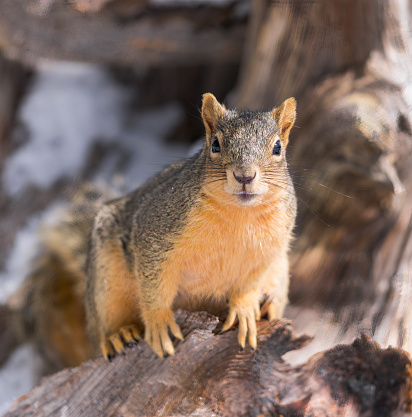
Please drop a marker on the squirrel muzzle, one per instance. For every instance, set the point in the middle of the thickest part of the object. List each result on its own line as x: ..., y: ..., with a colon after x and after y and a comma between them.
x: 245, y: 184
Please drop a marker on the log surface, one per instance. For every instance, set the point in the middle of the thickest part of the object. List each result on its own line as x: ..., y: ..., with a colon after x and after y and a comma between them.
x: 209, y: 376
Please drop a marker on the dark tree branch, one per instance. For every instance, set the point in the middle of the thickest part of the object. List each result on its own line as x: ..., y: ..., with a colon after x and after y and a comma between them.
x: 139, y: 35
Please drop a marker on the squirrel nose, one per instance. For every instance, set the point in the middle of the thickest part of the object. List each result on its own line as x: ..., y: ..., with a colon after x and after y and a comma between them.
x: 244, y: 180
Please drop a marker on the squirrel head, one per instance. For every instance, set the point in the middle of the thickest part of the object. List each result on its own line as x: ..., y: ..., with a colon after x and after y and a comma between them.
x: 245, y: 151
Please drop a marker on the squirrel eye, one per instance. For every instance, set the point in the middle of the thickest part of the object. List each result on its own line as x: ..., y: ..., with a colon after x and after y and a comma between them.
x: 277, y: 148
x: 215, y: 146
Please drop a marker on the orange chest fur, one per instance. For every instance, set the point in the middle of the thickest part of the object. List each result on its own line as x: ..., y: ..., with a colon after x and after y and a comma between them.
x: 221, y: 248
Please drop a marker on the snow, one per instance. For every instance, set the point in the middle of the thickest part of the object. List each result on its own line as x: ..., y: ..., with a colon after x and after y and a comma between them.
x: 24, y: 250
x: 18, y: 375
x: 151, y: 154
x: 69, y: 107
x: 67, y: 110
x: 72, y: 106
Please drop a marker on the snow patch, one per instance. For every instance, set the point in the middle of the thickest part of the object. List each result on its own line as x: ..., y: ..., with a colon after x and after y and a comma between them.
x: 18, y: 375
x: 146, y: 135
x: 68, y: 108
x: 25, y: 248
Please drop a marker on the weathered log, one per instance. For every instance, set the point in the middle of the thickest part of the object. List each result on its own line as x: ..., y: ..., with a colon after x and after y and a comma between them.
x: 120, y: 32
x: 210, y: 376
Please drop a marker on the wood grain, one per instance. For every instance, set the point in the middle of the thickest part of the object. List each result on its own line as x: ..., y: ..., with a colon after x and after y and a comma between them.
x: 209, y: 376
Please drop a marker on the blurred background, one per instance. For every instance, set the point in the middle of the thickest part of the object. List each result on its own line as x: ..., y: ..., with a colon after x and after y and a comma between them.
x: 109, y: 92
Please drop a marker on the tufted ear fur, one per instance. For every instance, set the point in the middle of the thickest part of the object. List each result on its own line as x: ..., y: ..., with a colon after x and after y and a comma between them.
x: 211, y: 111
x: 285, y: 116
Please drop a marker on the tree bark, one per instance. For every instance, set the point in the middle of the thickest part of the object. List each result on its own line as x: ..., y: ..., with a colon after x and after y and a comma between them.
x: 210, y: 376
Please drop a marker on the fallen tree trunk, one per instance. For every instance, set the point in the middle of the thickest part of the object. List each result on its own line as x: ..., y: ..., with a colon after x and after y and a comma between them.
x: 120, y: 33
x: 210, y: 376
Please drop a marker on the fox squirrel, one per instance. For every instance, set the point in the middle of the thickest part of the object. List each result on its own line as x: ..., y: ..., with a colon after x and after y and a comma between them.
x: 205, y: 232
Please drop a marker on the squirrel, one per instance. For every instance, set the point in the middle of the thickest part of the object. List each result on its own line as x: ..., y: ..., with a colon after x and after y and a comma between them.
x: 205, y: 233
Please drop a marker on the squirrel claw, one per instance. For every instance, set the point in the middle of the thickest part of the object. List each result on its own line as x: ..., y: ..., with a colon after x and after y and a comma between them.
x: 117, y: 342
x: 157, y: 334
x: 130, y: 334
x: 107, y: 350
x: 247, y: 316
x: 230, y: 320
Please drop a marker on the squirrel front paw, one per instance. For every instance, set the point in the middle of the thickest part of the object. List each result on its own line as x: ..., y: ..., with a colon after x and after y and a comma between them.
x: 157, y: 324
x: 116, y: 342
x: 247, y: 314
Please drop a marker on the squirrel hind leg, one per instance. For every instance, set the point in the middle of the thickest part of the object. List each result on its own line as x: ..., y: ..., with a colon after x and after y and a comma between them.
x: 116, y: 343
x: 113, y: 291
x: 117, y: 314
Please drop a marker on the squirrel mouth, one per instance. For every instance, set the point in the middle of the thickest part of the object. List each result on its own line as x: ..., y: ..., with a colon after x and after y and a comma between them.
x: 245, y: 196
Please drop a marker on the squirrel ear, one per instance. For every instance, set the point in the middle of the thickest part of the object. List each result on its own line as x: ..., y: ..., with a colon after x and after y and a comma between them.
x: 211, y: 110
x: 285, y: 116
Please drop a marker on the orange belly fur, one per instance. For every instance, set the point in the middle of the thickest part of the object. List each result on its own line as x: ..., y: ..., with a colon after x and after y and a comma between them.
x: 223, y: 245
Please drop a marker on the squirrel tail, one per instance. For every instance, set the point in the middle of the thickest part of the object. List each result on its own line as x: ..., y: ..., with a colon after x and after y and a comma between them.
x: 48, y: 308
